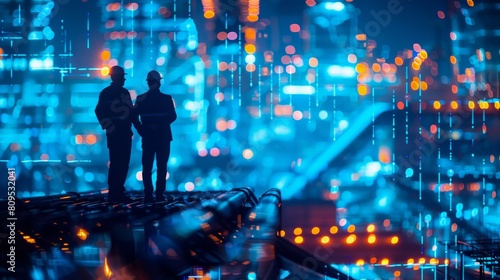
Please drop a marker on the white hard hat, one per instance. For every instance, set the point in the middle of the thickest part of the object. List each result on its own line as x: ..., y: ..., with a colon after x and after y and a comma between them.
x: 154, y: 76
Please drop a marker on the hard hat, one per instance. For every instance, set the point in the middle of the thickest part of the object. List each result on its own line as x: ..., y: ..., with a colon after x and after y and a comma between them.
x: 116, y: 70
x: 154, y: 76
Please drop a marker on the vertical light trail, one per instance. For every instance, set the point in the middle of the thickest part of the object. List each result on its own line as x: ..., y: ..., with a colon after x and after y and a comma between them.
x: 373, y: 116
x: 485, y: 105
x: 11, y: 44
x: 63, y: 36
x: 406, y: 105
x: 175, y: 20
x: 189, y: 8
x: 420, y: 95
x: 439, y: 156
x: 422, y: 272
x: 70, y: 56
x: 451, y: 158
x: 239, y: 65
x: 420, y: 177
x: 472, y: 120
x: 259, y: 91
x: 151, y: 32
x: 393, y: 131
x: 271, y: 73
x: 393, y: 114
x: 456, y: 252
x: 317, y: 87
x: 309, y: 106
x: 435, y: 246
x: 290, y: 83
x: 65, y: 42
x: 420, y: 229
x: 484, y: 182
x: 225, y: 28
x: 232, y: 61
x: 232, y: 76
x: 132, y: 39
x: 88, y: 30
x: 420, y: 136
x: 63, y: 72
x: 472, y: 127
x: 484, y: 129
x: 446, y: 258
x: 435, y: 256
x: 1, y: 32
x: 310, y: 102
x: 11, y: 61
x: 251, y: 77
x: 121, y: 13
x: 218, y: 81
x: 334, y: 112
x: 279, y: 83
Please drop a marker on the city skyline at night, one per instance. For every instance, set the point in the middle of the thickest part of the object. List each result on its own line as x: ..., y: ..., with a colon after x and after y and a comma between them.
x: 377, y: 121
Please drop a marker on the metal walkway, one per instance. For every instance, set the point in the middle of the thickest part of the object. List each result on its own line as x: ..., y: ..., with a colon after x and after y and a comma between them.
x: 206, y: 235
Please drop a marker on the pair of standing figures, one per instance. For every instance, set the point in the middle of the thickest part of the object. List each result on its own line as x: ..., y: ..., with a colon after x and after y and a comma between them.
x: 151, y: 115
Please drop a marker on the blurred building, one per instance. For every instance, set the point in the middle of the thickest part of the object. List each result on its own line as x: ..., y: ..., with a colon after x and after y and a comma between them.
x: 475, y: 33
x: 283, y: 94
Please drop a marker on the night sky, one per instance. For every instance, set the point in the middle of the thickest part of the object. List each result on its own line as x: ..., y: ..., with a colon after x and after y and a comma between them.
x: 415, y: 22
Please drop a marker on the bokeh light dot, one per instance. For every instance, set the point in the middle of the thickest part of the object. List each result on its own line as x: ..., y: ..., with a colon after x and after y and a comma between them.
x: 294, y: 27
x: 247, y: 154
x: 232, y: 35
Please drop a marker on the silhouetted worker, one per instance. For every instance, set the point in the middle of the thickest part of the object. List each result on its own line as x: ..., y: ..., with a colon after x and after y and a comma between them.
x: 114, y: 112
x: 156, y: 111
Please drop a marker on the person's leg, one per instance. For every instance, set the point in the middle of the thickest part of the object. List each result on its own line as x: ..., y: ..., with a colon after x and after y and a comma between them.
x: 111, y: 168
x: 119, y: 157
x: 161, y: 162
x: 148, y: 154
x: 114, y: 189
x: 124, y: 161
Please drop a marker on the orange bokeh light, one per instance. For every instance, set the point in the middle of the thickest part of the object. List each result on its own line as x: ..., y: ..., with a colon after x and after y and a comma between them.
x: 401, y: 105
x: 250, y: 48
x: 105, y: 55
x: 325, y: 239
x: 208, y: 14
x: 105, y: 71
x: 362, y: 90
x: 91, y: 139
x: 78, y: 139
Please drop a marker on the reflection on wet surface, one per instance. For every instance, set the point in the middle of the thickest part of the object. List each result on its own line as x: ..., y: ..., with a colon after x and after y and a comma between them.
x: 198, y: 235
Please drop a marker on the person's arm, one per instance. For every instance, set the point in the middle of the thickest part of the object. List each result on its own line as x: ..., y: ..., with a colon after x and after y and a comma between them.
x: 135, y: 116
x: 171, y: 114
x: 135, y: 121
x: 100, y: 111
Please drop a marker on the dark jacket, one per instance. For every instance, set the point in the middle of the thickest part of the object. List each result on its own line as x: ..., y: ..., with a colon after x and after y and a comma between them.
x: 156, y: 111
x: 114, y: 110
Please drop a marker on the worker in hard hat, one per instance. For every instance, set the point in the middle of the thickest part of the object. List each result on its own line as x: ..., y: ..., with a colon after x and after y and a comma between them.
x: 156, y: 112
x: 114, y: 112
